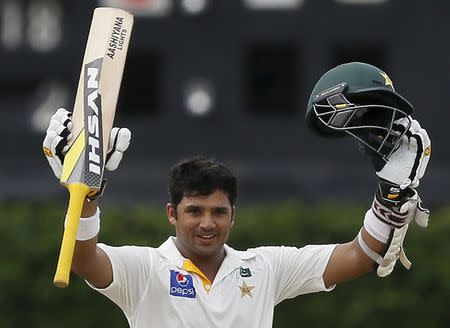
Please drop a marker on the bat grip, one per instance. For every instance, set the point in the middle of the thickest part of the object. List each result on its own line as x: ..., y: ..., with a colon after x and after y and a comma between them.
x: 78, y: 192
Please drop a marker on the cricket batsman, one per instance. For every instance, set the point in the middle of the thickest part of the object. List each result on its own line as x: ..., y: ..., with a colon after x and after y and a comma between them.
x: 194, y: 279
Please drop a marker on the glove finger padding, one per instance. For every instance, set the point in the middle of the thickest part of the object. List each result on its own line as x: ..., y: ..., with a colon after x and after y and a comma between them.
x: 415, y: 126
x: 119, y: 140
x: 51, y: 143
x: 408, y: 163
x: 58, y: 135
x: 61, y: 129
x: 422, y: 215
x: 416, y: 211
x: 400, y: 164
x: 402, y: 124
x: 423, y: 142
x: 61, y: 125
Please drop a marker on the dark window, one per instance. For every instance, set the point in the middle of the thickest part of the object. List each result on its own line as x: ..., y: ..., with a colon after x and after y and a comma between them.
x: 271, y: 79
x: 141, y: 89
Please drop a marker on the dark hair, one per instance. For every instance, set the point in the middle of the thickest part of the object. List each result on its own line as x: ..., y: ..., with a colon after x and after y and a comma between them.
x: 201, y: 176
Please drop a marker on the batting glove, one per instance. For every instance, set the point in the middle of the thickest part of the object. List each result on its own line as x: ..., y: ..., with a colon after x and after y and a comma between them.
x: 59, y: 138
x: 401, y: 174
x: 396, y: 202
x: 408, y: 163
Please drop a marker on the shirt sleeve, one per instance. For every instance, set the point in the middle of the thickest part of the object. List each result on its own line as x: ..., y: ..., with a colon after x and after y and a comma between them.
x: 131, y: 266
x: 297, y: 271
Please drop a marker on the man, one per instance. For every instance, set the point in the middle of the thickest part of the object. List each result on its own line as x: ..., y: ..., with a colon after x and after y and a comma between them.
x: 195, y: 279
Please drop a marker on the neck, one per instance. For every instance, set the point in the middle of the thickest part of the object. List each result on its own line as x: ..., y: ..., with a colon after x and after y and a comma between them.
x: 208, y: 264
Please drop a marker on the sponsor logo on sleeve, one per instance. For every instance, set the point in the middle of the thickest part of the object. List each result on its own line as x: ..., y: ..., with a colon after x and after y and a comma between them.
x: 181, y: 284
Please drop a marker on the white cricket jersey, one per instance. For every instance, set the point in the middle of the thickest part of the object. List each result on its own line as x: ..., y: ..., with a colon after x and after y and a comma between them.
x: 158, y: 287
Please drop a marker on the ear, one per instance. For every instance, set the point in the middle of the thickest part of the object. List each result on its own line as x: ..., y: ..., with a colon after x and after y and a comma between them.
x: 233, y: 214
x: 171, y: 213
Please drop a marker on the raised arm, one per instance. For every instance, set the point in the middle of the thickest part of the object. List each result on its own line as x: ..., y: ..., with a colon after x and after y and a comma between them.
x: 349, y: 261
x: 89, y: 261
x: 396, y: 203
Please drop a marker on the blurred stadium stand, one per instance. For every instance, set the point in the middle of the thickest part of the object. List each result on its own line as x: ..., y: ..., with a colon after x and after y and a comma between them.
x: 230, y: 81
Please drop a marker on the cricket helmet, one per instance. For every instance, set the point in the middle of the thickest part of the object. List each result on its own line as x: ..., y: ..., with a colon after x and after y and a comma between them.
x: 359, y: 99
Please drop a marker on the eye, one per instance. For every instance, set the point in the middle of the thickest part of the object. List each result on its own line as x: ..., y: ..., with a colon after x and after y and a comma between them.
x: 220, y: 211
x: 193, y: 210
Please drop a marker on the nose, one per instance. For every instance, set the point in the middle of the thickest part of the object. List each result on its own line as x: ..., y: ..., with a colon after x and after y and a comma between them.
x: 206, y: 222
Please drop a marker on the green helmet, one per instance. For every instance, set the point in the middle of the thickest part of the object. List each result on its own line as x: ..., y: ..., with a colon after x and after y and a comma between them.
x: 359, y: 99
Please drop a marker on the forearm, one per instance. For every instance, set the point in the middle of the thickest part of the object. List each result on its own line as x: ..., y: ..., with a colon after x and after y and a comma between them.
x: 349, y: 260
x: 89, y: 208
x: 374, y: 244
x: 84, y: 255
x: 85, y: 251
x: 89, y: 261
x: 379, y: 244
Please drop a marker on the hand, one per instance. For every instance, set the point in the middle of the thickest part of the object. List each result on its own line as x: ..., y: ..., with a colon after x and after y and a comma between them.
x: 59, y: 138
x: 401, y: 175
x: 396, y: 201
x: 407, y: 165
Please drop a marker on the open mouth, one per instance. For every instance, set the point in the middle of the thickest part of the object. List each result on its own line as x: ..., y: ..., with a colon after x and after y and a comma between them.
x: 206, y: 238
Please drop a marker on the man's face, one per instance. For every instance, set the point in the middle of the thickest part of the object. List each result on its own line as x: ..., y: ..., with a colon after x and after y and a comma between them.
x: 202, y: 224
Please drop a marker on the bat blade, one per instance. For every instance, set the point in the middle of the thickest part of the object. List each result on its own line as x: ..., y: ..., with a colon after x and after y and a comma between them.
x: 92, y: 119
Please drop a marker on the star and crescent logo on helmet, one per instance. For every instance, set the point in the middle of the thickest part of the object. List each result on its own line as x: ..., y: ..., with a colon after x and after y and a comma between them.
x: 387, y: 80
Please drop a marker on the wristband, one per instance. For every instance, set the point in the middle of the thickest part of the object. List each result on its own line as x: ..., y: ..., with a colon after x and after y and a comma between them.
x: 89, y: 227
x: 376, y: 228
x: 369, y: 252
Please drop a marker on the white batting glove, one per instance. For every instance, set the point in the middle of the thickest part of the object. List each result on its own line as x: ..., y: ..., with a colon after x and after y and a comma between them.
x: 58, y: 140
x: 401, y: 175
x: 407, y: 165
x: 119, y: 140
x: 396, y: 202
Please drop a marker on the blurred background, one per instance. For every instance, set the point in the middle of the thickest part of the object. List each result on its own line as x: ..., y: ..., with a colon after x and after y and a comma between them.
x: 228, y: 79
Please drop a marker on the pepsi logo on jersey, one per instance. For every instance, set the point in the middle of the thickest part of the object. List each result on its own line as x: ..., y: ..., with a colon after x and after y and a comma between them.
x: 181, y: 285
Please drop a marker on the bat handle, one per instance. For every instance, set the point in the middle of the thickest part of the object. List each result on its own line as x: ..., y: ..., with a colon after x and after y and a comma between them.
x: 78, y: 192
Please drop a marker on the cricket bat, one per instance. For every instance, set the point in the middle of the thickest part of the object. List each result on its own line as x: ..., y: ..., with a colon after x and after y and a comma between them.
x: 92, y: 117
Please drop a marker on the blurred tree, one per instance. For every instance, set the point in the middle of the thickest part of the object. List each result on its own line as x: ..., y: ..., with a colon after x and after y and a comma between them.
x: 30, y: 237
